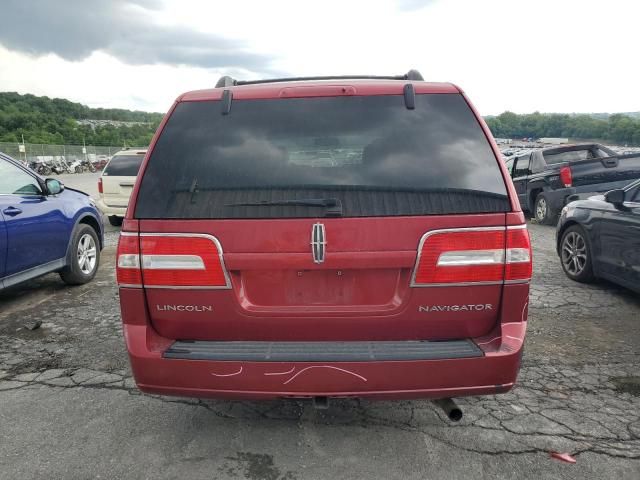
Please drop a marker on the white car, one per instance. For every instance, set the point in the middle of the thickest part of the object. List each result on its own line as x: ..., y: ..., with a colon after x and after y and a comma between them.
x: 116, y: 183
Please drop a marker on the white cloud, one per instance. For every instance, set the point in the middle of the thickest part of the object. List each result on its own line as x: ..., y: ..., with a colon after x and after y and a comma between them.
x: 101, y: 80
x: 570, y: 56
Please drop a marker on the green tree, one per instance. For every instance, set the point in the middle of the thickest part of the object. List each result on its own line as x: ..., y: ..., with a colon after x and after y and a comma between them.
x: 618, y: 128
x: 46, y: 120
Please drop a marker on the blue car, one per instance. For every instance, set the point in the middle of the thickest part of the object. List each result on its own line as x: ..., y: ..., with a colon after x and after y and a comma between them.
x: 45, y: 227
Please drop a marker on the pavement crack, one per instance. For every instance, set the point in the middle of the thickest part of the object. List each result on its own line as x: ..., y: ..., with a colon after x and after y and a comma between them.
x: 554, y: 407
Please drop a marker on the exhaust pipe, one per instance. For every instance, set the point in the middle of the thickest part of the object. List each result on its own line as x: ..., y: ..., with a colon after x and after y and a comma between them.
x: 449, y: 407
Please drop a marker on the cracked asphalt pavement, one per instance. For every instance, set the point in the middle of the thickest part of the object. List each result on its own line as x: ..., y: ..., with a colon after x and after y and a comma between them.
x: 69, y: 408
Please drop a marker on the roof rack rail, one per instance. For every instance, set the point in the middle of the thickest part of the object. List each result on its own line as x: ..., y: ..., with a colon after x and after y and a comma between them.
x: 227, y: 81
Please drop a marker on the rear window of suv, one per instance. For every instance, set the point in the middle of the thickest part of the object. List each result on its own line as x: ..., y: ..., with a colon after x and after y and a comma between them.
x: 369, y: 153
x: 124, y: 165
x: 576, y: 155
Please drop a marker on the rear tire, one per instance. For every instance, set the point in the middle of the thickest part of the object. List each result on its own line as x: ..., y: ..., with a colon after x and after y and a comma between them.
x: 84, y: 256
x: 575, y: 255
x: 542, y: 210
x: 115, y: 221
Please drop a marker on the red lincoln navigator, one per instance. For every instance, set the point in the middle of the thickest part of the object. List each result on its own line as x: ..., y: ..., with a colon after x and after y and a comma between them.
x: 324, y: 237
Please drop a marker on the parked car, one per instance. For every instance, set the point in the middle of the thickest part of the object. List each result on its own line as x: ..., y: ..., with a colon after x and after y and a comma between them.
x: 547, y: 179
x: 400, y: 270
x: 600, y: 237
x: 116, y: 183
x: 45, y: 227
x: 101, y: 162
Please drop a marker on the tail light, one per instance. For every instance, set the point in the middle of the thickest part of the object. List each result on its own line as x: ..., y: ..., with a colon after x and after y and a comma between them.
x: 518, y: 264
x: 128, y: 271
x: 565, y: 176
x: 155, y: 260
x: 100, y: 185
x: 483, y: 256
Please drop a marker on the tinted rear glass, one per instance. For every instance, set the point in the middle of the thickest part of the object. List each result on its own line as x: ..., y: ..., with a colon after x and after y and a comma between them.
x: 372, y: 154
x: 124, y: 166
x: 574, y: 155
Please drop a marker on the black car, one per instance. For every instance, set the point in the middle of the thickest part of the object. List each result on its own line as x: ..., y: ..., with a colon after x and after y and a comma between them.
x: 600, y: 237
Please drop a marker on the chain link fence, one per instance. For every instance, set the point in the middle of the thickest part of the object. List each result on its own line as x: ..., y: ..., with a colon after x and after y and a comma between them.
x: 37, y: 153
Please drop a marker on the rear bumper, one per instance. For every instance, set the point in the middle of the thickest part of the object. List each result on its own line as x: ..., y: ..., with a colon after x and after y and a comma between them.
x: 109, y: 210
x: 493, y: 371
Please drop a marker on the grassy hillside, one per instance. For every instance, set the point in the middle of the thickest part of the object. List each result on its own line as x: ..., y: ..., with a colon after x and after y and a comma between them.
x: 47, y: 120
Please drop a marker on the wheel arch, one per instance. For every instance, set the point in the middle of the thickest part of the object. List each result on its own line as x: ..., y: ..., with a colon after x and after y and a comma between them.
x: 565, y: 226
x: 533, y: 195
x: 93, y: 222
x: 586, y: 230
x: 86, y: 218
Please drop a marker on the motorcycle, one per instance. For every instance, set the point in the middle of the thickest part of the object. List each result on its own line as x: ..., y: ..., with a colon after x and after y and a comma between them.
x: 88, y: 166
x: 40, y: 168
x: 75, y: 167
x: 57, y: 169
x: 59, y: 166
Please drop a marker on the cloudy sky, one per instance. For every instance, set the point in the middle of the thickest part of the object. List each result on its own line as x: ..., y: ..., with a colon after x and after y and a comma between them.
x: 518, y: 55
